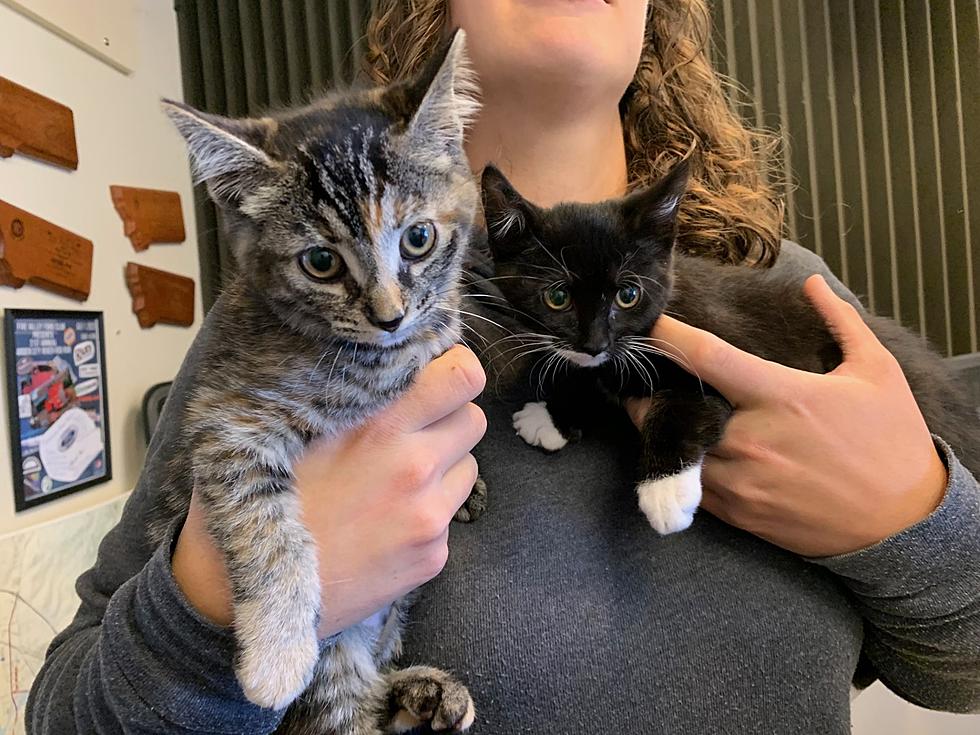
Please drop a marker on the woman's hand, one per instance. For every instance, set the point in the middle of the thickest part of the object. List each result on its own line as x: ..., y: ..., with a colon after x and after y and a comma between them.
x: 378, y: 501
x: 817, y: 464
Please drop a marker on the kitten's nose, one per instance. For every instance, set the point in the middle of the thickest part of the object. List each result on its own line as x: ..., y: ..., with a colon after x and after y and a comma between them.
x: 390, y: 325
x: 595, y: 347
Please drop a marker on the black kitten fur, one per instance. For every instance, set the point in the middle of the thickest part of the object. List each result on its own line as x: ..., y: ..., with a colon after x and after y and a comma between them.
x: 590, y: 280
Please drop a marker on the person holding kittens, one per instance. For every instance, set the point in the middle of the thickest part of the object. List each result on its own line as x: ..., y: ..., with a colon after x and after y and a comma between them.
x: 836, y: 529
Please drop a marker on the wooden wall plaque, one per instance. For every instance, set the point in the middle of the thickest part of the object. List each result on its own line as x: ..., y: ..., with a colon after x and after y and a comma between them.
x: 149, y: 215
x: 159, y: 296
x: 33, y: 250
x: 36, y: 126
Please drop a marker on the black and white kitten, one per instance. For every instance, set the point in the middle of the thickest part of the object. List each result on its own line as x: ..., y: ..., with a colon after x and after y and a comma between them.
x: 353, y: 216
x: 588, y: 281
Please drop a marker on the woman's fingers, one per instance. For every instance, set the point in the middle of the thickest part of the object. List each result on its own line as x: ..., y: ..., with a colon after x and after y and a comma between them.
x: 453, y: 436
x: 857, y: 342
x: 458, y: 482
x: 637, y: 409
x: 742, y: 378
x: 447, y: 383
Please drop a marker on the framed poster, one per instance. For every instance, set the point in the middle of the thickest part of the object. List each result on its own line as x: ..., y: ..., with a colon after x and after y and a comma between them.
x: 57, y: 403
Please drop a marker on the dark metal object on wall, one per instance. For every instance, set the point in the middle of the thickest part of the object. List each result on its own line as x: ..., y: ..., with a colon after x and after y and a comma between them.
x: 153, y: 402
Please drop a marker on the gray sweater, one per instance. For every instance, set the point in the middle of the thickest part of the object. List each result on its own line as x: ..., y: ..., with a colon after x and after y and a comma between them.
x: 564, y: 612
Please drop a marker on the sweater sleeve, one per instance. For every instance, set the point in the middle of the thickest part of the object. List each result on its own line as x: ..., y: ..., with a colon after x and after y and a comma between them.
x: 151, y: 665
x: 137, y: 658
x: 919, y: 594
x: 919, y: 590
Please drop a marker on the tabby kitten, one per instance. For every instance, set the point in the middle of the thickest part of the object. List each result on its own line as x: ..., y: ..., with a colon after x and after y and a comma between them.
x: 588, y: 281
x: 352, y: 216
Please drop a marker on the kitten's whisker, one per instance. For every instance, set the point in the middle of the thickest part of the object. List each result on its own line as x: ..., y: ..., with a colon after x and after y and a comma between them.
x: 620, y: 364
x: 501, y: 371
x: 564, y: 268
x: 503, y: 278
x: 642, y: 354
x: 561, y: 253
x: 523, y: 336
x: 647, y: 349
x: 562, y: 361
x: 637, y: 276
x: 544, y: 372
x: 353, y: 358
x: 510, y: 338
x: 469, y: 327
x: 533, y: 347
x: 678, y: 355
x: 534, y: 367
x: 471, y: 295
x: 515, y: 310
x: 317, y: 365
x: 522, y: 345
x: 647, y: 343
x: 627, y: 259
x: 673, y: 358
x: 476, y: 316
x: 334, y: 364
x: 522, y: 355
x: 643, y: 372
x: 545, y: 268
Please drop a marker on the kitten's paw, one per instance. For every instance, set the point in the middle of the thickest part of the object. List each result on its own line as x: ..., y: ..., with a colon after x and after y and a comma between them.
x: 534, y: 425
x: 475, y: 504
x: 669, y: 502
x: 273, y: 676
x: 423, y: 695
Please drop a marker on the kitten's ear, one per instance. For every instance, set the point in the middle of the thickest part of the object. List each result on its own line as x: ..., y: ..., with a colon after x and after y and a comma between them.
x: 226, y: 153
x: 448, y: 99
x: 652, y: 211
x: 507, y: 213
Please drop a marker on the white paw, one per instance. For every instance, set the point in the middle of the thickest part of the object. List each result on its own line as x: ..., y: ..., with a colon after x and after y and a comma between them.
x: 274, y: 676
x: 669, y: 502
x: 534, y: 425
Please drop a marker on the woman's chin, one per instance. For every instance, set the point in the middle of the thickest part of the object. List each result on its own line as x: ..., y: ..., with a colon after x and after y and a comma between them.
x: 567, y: 55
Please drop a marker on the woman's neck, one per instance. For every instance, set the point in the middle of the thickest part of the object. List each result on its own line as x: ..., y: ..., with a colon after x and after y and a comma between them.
x: 576, y: 157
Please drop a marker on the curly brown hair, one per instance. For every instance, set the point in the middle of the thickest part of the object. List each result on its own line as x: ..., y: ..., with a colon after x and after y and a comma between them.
x: 677, y: 106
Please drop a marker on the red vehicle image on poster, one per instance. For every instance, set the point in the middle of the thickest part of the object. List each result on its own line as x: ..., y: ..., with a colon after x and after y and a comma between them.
x: 51, y: 389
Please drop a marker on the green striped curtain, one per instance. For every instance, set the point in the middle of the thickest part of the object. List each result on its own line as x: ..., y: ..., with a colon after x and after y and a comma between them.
x: 877, y: 104
x: 875, y: 101
x: 240, y: 57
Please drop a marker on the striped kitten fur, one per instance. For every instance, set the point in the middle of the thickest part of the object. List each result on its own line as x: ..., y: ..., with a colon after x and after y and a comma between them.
x: 351, y: 218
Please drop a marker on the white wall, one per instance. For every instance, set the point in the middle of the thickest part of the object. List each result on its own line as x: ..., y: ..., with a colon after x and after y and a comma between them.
x: 123, y: 138
x: 877, y: 711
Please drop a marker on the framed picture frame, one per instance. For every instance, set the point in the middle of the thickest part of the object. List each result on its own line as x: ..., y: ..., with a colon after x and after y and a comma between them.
x: 57, y: 403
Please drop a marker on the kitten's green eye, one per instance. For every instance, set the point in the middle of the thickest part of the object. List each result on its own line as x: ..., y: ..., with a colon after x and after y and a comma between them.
x: 321, y: 264
x: 418, y: 240
x: 627, y: 296
x: 557, y: 298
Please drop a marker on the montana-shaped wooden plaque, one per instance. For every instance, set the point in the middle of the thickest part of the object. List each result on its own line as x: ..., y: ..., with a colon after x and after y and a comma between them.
x: 33, y: 250
x: 149, y: 215
x: 160, y: 296
x: 36, y: 126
